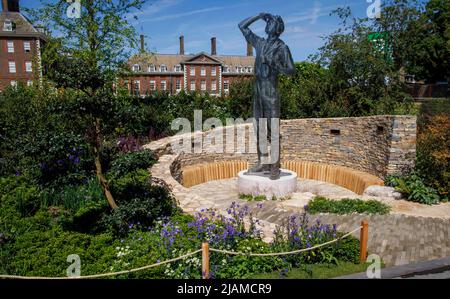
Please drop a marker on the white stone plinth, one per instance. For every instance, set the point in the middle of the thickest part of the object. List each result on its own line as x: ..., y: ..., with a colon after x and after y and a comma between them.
x: 263, y: 185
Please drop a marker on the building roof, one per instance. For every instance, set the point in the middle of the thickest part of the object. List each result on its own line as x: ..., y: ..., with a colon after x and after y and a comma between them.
x: 23, y: 26
x: 144, y: 60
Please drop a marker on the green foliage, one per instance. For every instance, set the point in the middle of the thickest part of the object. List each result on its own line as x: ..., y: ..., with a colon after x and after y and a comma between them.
x: 249, y: 197
x: 74, y: 198
x: 19, y: 193
x: 419, y: 35
x: 316, y: 271
x: 140, y: 201
x: 346, y: 206
x: 361, y: 80
x: 45, y: 253
x: 413, y: 187
x: 130, y: 162
x: 433, y: 147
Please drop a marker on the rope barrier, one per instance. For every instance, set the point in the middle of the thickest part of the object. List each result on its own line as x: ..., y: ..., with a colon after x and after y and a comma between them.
x: 288, y: 252
x: 106, y: 274
x: 185, y: 256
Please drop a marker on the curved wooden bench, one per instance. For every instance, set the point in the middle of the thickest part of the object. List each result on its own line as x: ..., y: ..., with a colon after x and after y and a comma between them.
x: 202, y: 173
x: 356, y: 181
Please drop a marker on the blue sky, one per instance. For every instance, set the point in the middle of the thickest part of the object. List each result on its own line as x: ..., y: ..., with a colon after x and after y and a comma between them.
x: 163, y: 21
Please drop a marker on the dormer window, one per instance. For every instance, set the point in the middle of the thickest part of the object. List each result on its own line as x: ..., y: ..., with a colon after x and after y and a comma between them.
x: 8, y: 26
x: 239, y: 69
x: 136, y: 68
x: 151, y: 68
x: 163, y: 68
x: 226, y: 69
x: 177, y: 68
x: 249, y: 69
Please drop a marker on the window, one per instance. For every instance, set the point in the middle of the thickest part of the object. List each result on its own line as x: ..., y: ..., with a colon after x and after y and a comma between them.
x: 203, y: 72
x: 178, y: 85
x: 192, y: 85
x: 12, y: 67
x: 27, y: 47
x: 151, y: 68
x: 152, y: 85
x: 8, y: 26
x: 192, y: 71
x: 226, y: 69
x: 163, y: 68
x: 248, y: 69
x: 13, y: 83
x: 177, y: 68
x: 136, y: 68
x: 213, y: 71
x: 163, y: 85
x: 213, y: 85
x: 29, y: 83
x: 226, y: 85
x: 10, y: 46
x: 28, y: 66
x: 203, y: 85
x: 239, y: 69
x: 137, y: 87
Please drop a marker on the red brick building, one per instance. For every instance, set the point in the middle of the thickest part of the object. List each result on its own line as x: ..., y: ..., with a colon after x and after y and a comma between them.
x: 209, y: 73
x: 20, y: 47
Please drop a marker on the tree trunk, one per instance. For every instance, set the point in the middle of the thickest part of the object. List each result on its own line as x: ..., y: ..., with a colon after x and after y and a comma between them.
x: 98, y: 165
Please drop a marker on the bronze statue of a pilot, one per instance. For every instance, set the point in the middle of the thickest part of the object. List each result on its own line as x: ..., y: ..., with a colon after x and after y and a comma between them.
x: 273, y: 57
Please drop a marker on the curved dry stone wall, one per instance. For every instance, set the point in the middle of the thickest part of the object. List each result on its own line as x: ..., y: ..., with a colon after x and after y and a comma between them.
x: 377, y: 145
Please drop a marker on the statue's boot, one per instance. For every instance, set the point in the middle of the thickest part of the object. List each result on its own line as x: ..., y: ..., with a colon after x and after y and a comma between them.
x: 259, y: 168
x: 275, y: 171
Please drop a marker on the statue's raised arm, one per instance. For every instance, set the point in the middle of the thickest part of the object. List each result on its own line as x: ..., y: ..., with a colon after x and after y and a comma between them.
x: 251, y: 37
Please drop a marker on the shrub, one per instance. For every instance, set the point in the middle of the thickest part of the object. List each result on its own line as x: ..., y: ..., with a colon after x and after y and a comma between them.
x: 45, y: 253
x: 74, y: 198
x: 433, y: 153
x: 346, y: 206
x: 297, y: 232
x: 20, y: 193
x: 129, y: 162
x: 142, y: 200
x: 413, y: 187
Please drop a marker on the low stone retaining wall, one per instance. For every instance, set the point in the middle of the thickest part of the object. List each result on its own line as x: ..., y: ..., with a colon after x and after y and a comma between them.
x: 377, y: 145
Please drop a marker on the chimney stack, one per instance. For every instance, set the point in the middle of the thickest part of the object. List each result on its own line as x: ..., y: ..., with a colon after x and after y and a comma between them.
x: 142, y: 43
x: 182, y: 45
x: 10, y: 5
x: 249, y: 49
x: 213, y: 46
x: 5, y: 5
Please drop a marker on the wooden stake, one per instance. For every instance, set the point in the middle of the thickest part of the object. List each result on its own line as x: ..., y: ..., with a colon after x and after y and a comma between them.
x: 205, y: 260
x: 364, y: 236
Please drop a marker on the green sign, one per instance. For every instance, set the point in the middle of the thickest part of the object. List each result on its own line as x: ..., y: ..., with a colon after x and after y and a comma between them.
x: 381, y: 42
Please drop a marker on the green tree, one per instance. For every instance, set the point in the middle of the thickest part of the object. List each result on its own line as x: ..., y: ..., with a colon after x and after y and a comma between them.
x: 87, y: 60
x: 419, y: 35
x: 362, y: 80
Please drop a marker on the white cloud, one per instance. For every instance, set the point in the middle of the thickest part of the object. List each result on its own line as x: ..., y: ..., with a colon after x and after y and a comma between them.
x: 190, y: 13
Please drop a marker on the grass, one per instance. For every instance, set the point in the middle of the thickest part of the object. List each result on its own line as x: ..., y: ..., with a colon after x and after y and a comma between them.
x: 347, y: 206
x: 317, y: 271
x: 249, y: 197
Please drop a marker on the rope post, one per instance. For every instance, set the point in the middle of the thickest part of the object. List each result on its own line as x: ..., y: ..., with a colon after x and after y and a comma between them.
x: 205, y: 260
x: 364, y: 236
